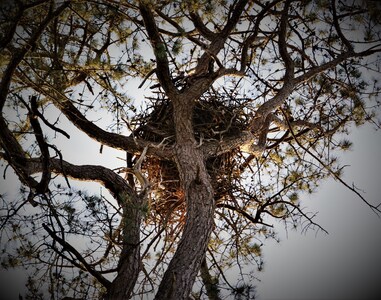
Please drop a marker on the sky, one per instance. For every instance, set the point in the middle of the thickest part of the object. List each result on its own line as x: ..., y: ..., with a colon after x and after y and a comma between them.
x: 346, y: 263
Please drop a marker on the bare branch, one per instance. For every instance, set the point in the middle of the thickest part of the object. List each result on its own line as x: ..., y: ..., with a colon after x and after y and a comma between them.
x: 162, y: 69
x: 338, y: 29
x: 200, y: 26
x: 68, y: 247
x: 42, y: 186
x: 375, y: 208
x: 19, y: 54
x: 112, y: 181
x: 118, y: 141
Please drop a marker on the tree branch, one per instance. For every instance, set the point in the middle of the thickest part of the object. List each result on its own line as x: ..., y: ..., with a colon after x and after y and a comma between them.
x: 255, y: 220
x: 68, y: 247
x: 217, y: 43
x: 42, y: 186
x: 159, y: 48
x: 20, y: 53
x: 114, y: 140
x: 289, y: 64
x: 248, y: 42
x: 200, y: 26
x: 112, y: 181
x: 375, y: 208
x: 338, y: 29
x: 15, y: 156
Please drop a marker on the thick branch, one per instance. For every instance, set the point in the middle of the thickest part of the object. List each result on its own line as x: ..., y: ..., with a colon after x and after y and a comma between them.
x: 128, y: 267
x: 113, y: 140
x: 219, y: 40
x: 15, y: 156
x: 200, y: 26
x: 112, y: 181
x: 216, y: 147
x: 325, y: 66
x: 160, y: 50
x: 235, y: 16
x: 334, y: 62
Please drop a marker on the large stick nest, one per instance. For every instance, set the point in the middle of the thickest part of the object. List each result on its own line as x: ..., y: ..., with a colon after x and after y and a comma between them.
x: 212, y: 119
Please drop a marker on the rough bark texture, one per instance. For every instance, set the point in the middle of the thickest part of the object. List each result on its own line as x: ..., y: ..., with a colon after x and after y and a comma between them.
x: 129, y: 262
x: 183, y: 268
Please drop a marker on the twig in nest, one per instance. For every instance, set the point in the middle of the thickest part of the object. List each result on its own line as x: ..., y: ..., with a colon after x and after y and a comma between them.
x: 227, y: 127
x: 163, y: 143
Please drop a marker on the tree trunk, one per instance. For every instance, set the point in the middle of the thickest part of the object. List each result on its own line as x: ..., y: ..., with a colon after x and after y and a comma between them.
x: 181, y: 273
x: 179, y: 278
x: 211, y: 285
x: 129, y: 262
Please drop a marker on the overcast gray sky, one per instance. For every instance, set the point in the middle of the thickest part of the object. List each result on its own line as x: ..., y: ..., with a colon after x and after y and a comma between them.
x: 346, y: 264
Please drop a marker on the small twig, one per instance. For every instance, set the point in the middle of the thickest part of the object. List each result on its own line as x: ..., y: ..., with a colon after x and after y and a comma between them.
x: 162, y: 144
x: 227, y: 128
x: 201, y: 140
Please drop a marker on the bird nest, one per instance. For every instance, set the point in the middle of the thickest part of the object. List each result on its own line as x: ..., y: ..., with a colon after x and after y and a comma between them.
x: 212, y: 120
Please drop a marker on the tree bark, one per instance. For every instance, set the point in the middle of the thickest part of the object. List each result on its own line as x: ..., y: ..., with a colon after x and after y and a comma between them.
x: 179, y: 278
x: 210, y: 284
x: 181, y: 273
x: 129, y: 262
